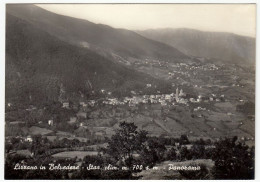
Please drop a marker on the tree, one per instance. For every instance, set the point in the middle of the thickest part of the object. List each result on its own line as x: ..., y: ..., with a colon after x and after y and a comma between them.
x: 125, y: 142
x: 171, y: 154
x: 38, y: 146
x: 8, y: 147
x: 152, y: 152
x: 233, y: 160
x: 197, y: 151
x: 10, y: 162
x: 185, y: 153
x: 15, y: 141
x: 157, y: 146
x: 184, y: 140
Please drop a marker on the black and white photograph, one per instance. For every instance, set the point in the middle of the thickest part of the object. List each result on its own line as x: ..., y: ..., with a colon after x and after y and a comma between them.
x: 129, y: 91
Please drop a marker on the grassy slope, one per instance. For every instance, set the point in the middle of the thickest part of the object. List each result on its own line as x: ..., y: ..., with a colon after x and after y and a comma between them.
x: 38, y: 63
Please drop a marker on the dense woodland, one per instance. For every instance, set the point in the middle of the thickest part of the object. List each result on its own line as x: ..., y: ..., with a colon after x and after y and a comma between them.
x: 232, y: 159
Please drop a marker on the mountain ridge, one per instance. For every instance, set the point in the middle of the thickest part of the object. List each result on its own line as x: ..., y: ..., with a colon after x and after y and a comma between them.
x: 225, y: 46
x: 37, y: 64
x: 191, y: 29
x: 122, y: 42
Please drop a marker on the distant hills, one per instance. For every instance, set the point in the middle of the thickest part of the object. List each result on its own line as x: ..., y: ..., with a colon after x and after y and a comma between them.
x: 39, y: 67
x: 47, y: 53
x: 102, y: 39
x: 227, y: 47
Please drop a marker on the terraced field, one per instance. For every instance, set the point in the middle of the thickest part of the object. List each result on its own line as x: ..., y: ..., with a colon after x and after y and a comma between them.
x: 220, y: 120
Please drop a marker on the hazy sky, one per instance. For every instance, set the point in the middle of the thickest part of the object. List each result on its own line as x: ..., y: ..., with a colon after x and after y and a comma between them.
x: 235, y: 18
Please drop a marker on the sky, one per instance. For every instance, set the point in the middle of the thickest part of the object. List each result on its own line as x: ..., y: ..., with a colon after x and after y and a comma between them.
x: 234, y: 18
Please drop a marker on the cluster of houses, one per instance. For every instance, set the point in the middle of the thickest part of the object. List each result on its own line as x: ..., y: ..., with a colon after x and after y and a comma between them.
x: 211, y: 98
x: 193, y: 66
x: 82, y: 104
x: 181, y: 71
x: 163, y: 99
x: 199, y: 109
x: 21, y: 139
x: 206, y: 67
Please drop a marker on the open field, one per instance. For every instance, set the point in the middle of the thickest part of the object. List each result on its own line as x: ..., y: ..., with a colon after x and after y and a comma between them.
x: 34, y: 130
x: 24, y: 152
x: 72, y: 154
x: 220, y: 119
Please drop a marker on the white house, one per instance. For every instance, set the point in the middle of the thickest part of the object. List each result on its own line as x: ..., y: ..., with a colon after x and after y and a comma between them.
x: 181, y: 93
x: 148, y: 85
x: 29, y: 138
x: 192, y: 100
x: 66, y: 105
x: 50, y: 122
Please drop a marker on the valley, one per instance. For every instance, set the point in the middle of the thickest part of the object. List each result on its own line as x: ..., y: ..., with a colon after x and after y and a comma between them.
x: 71, y: 85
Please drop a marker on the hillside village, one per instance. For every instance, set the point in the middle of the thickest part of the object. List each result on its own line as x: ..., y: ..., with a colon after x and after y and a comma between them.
x: 82, y: 118
x: 197, y: 98
x: 164, y: 99
x: 87, y: 94
x: 202, y: 101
